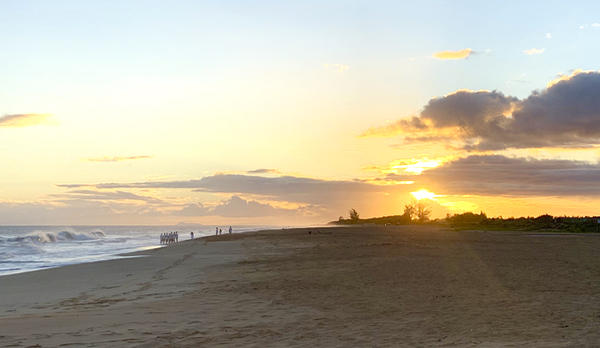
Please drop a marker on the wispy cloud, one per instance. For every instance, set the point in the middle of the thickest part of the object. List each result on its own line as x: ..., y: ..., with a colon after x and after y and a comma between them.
x: 518, y: 79
x: 103, y: 195
x: 24, y: 120
x: 264, y: 171
x: 534, y: 51
x: 548, y: 36
x: 114, y: 158
x: 453, y: 55
x: 596, y: 25
x: 566, y: 114
x: 338, y: 67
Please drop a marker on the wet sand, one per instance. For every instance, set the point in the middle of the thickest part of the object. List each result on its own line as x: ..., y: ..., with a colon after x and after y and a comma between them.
x: 405, y: 286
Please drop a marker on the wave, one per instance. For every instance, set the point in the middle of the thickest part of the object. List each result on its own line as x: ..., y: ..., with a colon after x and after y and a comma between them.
x: 5, y: 256
x: 42, y: 237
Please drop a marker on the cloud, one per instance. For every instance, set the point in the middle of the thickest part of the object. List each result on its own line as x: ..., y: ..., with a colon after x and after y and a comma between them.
x: 566, y: 114
x: 534, y: 51
x: 518, y: 79
x: 264, y: 171
x: 548, y: 36
x: 236, y: 207
x: 281, y: 188
x: 196, y: 209
x: 339, y: 67
x: 446, y: 55
x: 596, y: 25
x: 307, y: 199
x: 114, y: 158
x: 102, y: 195
x: 496, y: 175
x: 23, y: 120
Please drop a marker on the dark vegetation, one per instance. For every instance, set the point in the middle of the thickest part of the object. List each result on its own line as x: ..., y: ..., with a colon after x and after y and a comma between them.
x: 415, y: 211
x: 543, y: 222
x: 418, y: 212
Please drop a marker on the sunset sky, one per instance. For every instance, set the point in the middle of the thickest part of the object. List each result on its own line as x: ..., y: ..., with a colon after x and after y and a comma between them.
x: 291, y: 113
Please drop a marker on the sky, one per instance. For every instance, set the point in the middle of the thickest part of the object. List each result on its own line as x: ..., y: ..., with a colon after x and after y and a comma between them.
x: 292, y: 113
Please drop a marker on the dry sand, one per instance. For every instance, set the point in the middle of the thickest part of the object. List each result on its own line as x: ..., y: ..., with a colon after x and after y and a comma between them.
x: 406, y: 286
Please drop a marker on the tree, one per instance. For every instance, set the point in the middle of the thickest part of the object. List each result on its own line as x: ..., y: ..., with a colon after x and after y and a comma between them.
x: 423, y: 211
x: 409, y: 210
x: 418, y: 210
x: 354, y: 216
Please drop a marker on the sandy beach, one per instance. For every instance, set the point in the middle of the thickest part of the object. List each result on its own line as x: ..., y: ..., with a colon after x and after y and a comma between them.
x: 404, y: 286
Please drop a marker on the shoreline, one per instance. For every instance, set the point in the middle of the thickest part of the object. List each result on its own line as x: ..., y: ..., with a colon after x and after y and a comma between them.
x: 34, y: 248
x: 390, y: 286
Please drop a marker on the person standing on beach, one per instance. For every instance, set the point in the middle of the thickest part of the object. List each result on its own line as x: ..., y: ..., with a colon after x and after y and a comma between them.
x: 192, y: 235
x: 230, y: 230
x: 217, y: 232
x: 220, y: 231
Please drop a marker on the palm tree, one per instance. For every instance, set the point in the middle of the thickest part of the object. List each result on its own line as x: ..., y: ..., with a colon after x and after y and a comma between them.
x: 354, y: 216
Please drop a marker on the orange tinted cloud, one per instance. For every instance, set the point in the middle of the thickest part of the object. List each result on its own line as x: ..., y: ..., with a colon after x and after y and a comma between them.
x: 23, y: 120
x: 446, y: 55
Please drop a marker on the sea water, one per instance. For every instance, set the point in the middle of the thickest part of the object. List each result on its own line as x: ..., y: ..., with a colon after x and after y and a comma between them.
x: 31, y: 248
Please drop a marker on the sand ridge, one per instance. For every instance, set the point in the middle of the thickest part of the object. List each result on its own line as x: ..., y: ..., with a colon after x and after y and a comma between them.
x: 401, y: 286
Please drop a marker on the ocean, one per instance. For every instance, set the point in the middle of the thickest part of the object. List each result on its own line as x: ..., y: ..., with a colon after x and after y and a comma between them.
x: 32, y: 248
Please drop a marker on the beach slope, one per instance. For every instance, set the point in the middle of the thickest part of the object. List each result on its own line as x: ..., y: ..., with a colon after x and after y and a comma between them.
x: 400, y: 286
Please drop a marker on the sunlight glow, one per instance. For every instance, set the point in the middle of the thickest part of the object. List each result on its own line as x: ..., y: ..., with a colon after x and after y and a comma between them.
x: 419, y: 167
x: 424, y: 194
x: 460, y: 206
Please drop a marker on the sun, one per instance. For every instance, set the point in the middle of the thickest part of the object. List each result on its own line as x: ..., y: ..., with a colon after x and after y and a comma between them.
x: 424, y: 194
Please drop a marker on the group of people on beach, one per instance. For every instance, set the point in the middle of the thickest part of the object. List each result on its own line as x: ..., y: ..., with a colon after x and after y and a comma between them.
x: 167, y: 238
x: 218, y: 231
x: 172, y: 237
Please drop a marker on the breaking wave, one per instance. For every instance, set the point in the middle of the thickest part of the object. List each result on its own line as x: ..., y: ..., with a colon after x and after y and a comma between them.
x: 41, y: 237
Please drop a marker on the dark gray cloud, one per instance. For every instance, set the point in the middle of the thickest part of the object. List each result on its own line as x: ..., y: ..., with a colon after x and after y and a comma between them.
x: 284, y: 188
x: 496, y: 175
x: 566, y: 114
x: 320, y: 200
